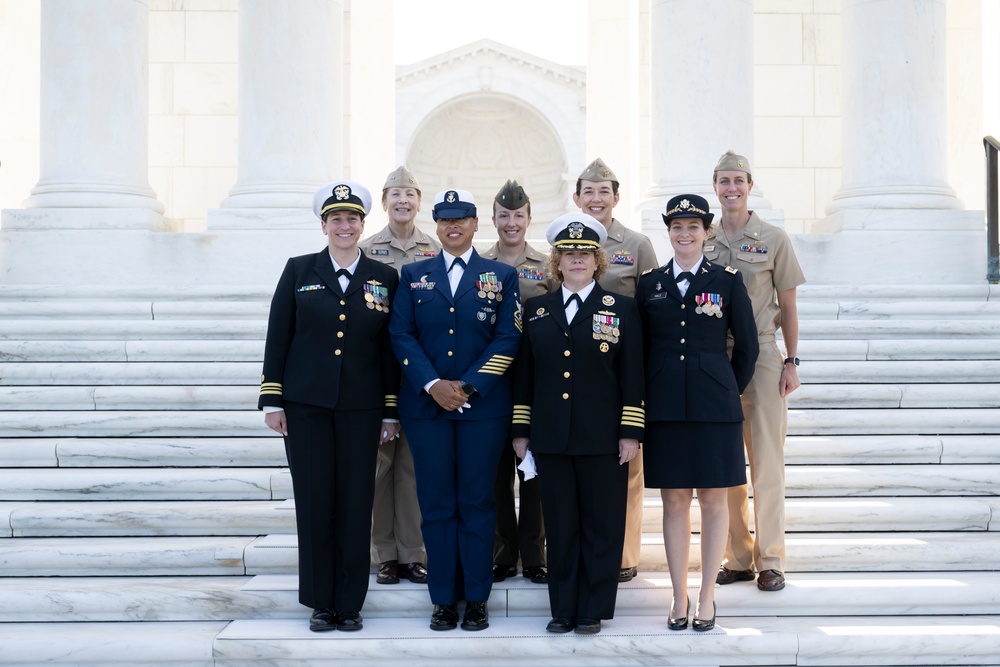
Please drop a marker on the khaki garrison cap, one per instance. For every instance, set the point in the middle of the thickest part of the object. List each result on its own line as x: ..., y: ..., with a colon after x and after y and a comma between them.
x: 401, y: 178
x: 597, y: 171
x: 731, y: 161
x: 511, y: 196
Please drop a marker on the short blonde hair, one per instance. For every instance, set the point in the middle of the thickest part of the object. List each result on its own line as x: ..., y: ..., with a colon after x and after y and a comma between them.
x: 552, y: 271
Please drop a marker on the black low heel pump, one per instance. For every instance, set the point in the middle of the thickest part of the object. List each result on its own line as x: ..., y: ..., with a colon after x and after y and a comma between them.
x: 706, y: 625
x: 682, y: 622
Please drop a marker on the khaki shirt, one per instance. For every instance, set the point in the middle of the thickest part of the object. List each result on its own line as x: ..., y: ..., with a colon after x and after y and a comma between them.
x: 630, y: 254
x: 530, y: 267
x: 384, y: 248
x: 764, y: 255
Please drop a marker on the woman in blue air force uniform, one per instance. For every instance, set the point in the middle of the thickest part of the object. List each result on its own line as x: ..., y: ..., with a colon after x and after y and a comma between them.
x: 329, y: 386
x: 578, y: 409
x: 455, y: 330
x: 694, y: 437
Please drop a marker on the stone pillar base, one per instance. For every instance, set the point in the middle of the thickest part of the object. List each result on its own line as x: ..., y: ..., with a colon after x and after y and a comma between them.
x: 38, y: 219
x: 262, y: 218
x: 895, y: 247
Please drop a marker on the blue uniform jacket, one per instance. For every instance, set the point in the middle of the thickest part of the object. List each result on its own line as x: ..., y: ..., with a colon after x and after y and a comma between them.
x: 464, y: 337
x: 689, y: 375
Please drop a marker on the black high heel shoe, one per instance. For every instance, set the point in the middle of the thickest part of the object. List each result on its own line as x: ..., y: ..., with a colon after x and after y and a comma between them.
x: 705, y: 625
x: 682, y: 622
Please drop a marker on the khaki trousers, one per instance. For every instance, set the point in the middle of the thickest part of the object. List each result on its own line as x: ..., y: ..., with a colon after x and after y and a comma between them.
x: 395, y: 513
x: 633, y: 514
x: 764, y: 429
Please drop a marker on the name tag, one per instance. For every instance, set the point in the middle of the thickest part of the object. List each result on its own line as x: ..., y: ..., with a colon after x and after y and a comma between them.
x: 380, y: 251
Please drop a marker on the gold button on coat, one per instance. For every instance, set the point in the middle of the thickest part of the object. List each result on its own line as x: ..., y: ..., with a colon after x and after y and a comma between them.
x: 565, y: 396
x: 566, y: 353
x: 337, y: 352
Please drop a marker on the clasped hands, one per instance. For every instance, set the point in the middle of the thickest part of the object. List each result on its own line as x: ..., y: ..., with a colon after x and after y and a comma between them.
x: 449, y: 395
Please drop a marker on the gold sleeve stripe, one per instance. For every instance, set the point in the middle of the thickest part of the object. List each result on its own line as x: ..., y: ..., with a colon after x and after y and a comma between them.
x: 391, y: 401
x: 522, y: 414
x: 497, y: 364
x: 270, y: 385
x: 270, y: 392
x: 632, y: 416
x: 638, y: 424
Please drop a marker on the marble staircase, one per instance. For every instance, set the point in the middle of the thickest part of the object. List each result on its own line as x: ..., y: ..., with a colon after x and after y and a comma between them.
x: 146, y: 515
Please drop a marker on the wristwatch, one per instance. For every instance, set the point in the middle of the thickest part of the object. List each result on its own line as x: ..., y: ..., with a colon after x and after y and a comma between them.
x: 792, y: 360
x: 468, y: 389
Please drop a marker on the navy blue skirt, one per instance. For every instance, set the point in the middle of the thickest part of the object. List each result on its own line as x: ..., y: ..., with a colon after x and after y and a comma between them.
x: 693, y: 455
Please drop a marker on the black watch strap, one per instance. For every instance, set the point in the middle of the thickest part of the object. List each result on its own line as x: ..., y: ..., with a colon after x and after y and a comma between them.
x: 792, y: 360
x: 468, y: 389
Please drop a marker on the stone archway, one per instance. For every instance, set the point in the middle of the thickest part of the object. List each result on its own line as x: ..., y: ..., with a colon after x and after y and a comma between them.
x: 476, y: 142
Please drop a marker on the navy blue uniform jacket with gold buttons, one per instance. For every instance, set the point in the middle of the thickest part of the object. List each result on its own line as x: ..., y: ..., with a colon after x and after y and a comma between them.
x: 575, y: 393
x: 689, y: 376
x: 464, y: 337
x: 321, y: 342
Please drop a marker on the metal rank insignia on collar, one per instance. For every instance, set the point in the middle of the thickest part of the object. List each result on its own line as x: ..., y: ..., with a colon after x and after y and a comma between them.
x: 489, y: 287
x: 605, y: 327
x: 376, y: 296
x: 708, y: 304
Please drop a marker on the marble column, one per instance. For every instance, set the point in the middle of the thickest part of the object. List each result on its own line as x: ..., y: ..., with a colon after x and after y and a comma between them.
x: 895, y: 127
x: 701, y: 54
x: 291, y: 61
x: 94, y: 114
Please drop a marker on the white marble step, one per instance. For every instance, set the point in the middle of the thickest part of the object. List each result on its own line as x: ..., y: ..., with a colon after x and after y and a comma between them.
x: 807, y: 552
x: 176, y: 350
x: 231, y: 397
x: 268, y: 450
x: 625, y: 640
x: 71, y: 330
x: 210, y: 598
x: 521, y: 642
x: 916, y: 291
x: 65, y: 309
x: 248, y: 517
x: 897, y: 309
x: 106, y: 484
x: 131, y: 373
x: 145, y: 484
x: 128, y: 556
x: 898, y: 328
x: 250, y: 423
x: 180, y: 350
x: 163, y: 518
x: 138, y: 452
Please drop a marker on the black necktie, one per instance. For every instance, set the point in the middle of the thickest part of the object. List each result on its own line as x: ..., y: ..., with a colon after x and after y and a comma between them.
x: 571, y: 299
x: 685, y: 275
x: 344, y: 272
x: 459, y: 262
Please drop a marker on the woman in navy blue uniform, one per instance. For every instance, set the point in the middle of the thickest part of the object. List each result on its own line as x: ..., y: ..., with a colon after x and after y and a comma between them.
x: 455, y: 330
x: 694, y: 439
x: 578, y: 408
x: 329, y: 387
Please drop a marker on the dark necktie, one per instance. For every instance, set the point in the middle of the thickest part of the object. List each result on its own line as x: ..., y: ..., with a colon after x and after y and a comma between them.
x: 344, y: 272
x: 459, y: 262
x: 569, y: 301
x: 685, y: 275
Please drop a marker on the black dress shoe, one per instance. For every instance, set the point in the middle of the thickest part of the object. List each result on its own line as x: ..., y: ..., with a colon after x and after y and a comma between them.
x: 680, y: 623
x: 415, y: 572
x: 387, y: 573
x: 626, y: 574
x: 588, y: 626
x: 727, y: 576
x: 349, y: 621
x: 445, y: 617
x: 560, y: 625
x: 536, y: 573
x: 770, y: 580
x: 476, y: 616
x: 501, y: 572
x: 323, y: 620
x: 704, y: 625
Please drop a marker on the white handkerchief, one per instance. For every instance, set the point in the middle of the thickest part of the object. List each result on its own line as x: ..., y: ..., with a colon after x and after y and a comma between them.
x: 527, y: 466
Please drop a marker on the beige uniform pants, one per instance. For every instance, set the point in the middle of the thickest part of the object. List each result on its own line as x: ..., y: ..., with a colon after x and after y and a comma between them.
x: 633, y: 513
x: 395, y: 513
x: 765, y: 426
